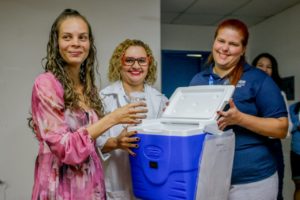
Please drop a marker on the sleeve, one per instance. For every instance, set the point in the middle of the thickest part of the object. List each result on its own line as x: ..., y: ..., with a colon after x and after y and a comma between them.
x: 294, y: 118
x: 195, y: 80
x: 269, y: 94
x: 102, y: 139
x: 198, y: 79
x: 165, y: 99
x: 288, y: 114
x: 70, y: 147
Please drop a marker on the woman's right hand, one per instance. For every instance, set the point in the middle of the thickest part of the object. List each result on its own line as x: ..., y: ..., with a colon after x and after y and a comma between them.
x: 131, y: 113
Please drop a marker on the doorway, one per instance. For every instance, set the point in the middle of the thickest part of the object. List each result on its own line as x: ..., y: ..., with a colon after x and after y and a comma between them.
x: 179, y: 67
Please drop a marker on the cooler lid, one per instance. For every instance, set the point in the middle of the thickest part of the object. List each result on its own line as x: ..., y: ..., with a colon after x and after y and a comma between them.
x: 196, y: 104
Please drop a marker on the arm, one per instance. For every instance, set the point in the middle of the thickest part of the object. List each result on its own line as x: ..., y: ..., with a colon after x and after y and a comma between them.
x: 294, y: 118
x: 116, y: 137
x: 271, y: 127
x: 51, y: 126
x: 290, y: 124
x: 261, y: 108
x: 123, y: 115
x: 124, y: 140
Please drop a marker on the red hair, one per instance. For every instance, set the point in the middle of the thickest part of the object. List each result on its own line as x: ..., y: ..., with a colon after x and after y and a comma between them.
x: 242, y: 28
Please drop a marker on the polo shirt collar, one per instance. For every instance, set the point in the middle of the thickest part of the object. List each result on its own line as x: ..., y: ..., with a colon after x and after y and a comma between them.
x: 209, y: 70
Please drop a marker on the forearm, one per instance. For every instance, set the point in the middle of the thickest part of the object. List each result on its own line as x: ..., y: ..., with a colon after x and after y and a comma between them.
x: 111, y: 144
x: 98, y: 128
x: 271, y: 127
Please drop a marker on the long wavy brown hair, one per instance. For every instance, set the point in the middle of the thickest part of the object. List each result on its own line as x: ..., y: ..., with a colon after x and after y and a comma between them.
x: 242, y: 28
x: 55, y: 64
x: 115, y: 63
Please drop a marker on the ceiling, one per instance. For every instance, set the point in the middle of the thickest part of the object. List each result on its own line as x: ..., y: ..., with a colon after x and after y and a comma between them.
x: 211, y: 12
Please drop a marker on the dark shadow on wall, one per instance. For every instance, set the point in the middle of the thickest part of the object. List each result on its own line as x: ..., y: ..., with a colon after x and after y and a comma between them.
x: 288, y: 86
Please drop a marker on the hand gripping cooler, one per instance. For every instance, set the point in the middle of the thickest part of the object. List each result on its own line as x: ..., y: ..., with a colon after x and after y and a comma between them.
x: 183, y: 155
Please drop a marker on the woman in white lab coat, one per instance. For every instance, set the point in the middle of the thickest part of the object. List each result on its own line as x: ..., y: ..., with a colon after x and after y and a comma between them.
x: 132, y: 69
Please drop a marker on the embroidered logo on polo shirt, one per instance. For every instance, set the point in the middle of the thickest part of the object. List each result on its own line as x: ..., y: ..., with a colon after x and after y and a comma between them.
x: 241, y: 83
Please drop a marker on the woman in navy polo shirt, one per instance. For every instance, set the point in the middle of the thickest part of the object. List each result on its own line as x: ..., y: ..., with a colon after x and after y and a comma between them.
x: 256, y: 112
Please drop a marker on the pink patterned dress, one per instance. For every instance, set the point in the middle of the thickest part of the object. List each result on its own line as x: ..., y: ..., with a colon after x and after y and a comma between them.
x: 67, y: 166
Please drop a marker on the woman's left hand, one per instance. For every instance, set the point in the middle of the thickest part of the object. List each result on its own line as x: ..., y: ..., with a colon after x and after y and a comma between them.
x: 230, y: 117
x: 127, y: 140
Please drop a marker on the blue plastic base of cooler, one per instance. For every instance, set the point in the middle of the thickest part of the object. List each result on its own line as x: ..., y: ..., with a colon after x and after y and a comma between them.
x: 166, y: 167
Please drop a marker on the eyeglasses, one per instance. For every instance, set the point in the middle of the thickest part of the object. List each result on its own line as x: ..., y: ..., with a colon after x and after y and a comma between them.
x: 129, y: 61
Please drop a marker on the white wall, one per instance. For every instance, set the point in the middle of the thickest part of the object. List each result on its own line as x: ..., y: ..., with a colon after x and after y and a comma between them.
x: 184, y: 37
x: 279, y: 35
x: 25, y: 27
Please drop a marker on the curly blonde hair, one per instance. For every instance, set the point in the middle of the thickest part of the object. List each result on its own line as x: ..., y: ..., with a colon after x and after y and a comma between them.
x: 115, y: 63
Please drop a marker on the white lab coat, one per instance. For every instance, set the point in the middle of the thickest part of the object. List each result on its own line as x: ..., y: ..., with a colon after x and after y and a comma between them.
x: 116, y: 163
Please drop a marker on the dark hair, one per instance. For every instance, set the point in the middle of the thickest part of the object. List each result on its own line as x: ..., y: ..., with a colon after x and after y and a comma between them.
x: 275, y: 74
x: 242, y: 28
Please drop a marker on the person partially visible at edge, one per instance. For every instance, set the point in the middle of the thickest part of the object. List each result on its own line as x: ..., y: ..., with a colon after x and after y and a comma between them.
x: 132, y: 68
x: 295, y: 148
x: 67, y: 115
x: 256, y: 112
x: 267, y: 63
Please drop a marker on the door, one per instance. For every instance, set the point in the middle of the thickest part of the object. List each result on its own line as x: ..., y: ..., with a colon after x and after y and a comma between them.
x: 179, y: 67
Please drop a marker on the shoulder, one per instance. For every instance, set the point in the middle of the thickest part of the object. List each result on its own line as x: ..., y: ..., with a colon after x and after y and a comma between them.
x: 47, y: 79
x: 109, y: 96
x: 254, y: 72
x: 151, y: 90
x: 257, y: 78
x: 200, y: 78
x: 47, y: 83
x: 113, y: 88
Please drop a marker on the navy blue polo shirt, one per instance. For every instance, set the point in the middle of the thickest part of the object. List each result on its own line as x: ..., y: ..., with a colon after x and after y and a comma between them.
x: 255, y: 94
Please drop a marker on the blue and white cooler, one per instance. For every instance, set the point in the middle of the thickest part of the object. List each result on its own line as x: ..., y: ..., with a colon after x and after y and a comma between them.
x: 183, y: 154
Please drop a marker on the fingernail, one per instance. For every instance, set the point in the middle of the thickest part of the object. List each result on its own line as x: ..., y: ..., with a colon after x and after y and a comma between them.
x: 137, y: 139
x: 136, y: 146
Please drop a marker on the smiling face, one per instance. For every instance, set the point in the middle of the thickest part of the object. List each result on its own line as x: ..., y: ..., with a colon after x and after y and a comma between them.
x: 265, y: 64
x: 73, y: 41
x: 227, y: 48
x: 135, y: 64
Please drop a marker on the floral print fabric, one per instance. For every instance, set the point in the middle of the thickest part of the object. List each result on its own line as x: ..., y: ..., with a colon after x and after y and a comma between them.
x: 67, y: 166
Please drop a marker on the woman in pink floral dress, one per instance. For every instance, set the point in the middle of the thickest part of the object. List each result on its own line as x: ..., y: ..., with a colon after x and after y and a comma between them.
x: 67, y: 115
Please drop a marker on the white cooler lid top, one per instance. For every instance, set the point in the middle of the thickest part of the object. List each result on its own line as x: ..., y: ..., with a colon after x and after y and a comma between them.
x: 196, y: 104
